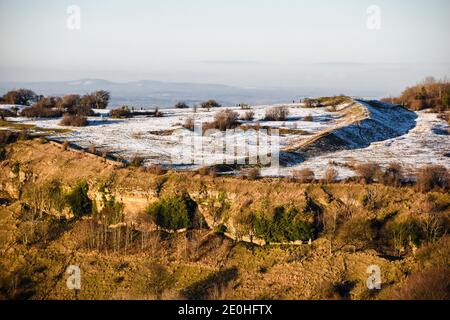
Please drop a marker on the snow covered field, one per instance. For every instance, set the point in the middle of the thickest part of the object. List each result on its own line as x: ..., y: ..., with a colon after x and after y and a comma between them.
x: 388, y: 135
x: 427, y: 143
x: 159, y: 140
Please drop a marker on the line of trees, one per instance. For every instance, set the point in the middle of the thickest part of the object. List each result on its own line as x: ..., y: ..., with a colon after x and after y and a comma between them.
x: 429, y: 94
x: 54, y: 107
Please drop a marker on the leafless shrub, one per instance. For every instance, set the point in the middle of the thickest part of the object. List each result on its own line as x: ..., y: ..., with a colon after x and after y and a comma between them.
x: 207, y: 171
x: 154, y: 279
x: 156, y: 169
x: 279, y: 113
x: 433, y: 177
x: 445, y: 116
x: 74, y: 120
x: 224, y: 120
x: 248, y: 116
x: 368, y: 171
x: 393, y: 175
x: 210, y: 104
x: 252, y: 173
x: 158, y: 114
x: 212, y: 172
x: 45, y: 108
x: 189, y: 124
x: 309, y: 118
x: 331, y: 175
x: 181, y: 105
x: 66, y: 145
x: 92, y: 149
x: 136, y: 161
x: 203, y: 171
x: 357, y: 232
x: 430, y: 284
x: 304, y: 176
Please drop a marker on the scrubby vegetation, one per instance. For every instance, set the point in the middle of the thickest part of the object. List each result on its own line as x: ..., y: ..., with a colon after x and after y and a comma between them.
x: 173, y: 213
x: 223, y: 120
x: 368, y: 171
x: 74, y: 120
x: 433, y: 178
x: 284, y: 225
x: 136, y: 161
x: 277, y: 113
x: 308, y: 118
x: 189, y: 124
x: 44, y: 108
x: 304, y: 175
x: 55, y: 107
x: 181, y: 105
x: 430, y: 94
x: 248, y: 116
x: 331, y: 175
x: 121, y: 113
x: 210, y: 104
x: 6, y: 113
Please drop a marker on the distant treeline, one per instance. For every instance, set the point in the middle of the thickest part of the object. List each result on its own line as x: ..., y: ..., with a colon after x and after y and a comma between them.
x: 74, y: 107
x: 429, y: 94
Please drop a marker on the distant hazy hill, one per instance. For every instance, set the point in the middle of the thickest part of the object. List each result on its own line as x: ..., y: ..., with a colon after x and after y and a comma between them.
x: 147, y: 93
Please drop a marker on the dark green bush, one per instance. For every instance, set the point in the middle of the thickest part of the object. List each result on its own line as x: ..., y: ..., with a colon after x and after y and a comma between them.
x: 173, y: 213
x: 285, y: 225
x: 78, y: 200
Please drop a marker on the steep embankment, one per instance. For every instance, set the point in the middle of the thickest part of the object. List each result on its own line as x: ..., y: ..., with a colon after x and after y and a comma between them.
x: 363, y: 123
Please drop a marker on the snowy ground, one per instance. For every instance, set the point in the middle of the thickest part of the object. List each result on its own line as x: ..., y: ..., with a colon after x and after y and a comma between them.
x: 427, y: 143
x: 160, y: 139
x: 164, y: 140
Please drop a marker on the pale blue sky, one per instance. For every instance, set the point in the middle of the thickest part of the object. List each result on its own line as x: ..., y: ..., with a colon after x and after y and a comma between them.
x: 277, y: 43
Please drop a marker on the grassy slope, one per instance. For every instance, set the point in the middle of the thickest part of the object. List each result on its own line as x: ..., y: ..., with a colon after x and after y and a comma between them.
x: 263, y: 272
